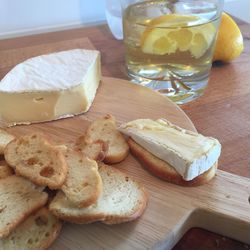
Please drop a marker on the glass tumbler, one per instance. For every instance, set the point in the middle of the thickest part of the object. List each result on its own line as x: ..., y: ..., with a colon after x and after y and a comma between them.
x: 169, y: 44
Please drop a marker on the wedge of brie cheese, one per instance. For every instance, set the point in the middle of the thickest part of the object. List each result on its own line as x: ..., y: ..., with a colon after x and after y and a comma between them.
x: 191, y: 154
x: 50, y: 87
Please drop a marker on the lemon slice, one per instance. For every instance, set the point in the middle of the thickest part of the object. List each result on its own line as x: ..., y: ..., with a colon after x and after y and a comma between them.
x: 165, y: 35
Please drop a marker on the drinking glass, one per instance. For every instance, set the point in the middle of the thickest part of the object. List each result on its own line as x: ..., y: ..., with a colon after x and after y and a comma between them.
x: 169, y: 44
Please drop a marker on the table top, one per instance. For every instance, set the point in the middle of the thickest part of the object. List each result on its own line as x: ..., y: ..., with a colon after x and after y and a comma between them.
x: 222, y: 112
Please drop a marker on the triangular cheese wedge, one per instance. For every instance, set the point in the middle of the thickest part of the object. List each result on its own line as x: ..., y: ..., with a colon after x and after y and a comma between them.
x: 50, y: 87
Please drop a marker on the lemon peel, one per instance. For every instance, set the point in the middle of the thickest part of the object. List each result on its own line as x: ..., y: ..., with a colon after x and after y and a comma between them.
x: 229, y: 43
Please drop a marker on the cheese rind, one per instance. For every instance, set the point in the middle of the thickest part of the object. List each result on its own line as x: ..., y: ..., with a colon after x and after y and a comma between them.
x: 50, y: 87
x: 190, y: 153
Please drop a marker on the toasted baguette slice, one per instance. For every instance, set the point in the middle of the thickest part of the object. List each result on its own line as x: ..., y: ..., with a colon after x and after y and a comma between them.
x: 33, y: 157
x: 96, y: 150
x: 5, y: 138
x: 18, y: 199
x: 5, y: 171
x: 122, y: 200
x: 83, y: 184
x: 37, y: 232
x: 105, y: 129
x: 164, y: 171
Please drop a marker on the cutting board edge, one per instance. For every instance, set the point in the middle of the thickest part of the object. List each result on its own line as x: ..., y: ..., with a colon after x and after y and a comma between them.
x: 193, y: 128
x: 208, y: 219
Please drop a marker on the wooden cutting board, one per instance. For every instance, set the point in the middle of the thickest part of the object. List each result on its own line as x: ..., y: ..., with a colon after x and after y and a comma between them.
x: 221, y: 206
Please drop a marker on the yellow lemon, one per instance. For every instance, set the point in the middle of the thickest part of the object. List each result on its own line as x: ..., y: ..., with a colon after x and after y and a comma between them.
x: 169, y: 33
x: 229, y: 44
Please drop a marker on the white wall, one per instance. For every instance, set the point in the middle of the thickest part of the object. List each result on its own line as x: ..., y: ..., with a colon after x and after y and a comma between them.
x: 238, y: 8
x: 20, y: 17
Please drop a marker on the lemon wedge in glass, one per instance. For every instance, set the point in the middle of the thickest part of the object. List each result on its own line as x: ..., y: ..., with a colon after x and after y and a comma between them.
x: 166, y: 34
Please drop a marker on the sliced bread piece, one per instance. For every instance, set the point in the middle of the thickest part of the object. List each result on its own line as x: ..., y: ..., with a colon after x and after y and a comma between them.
x: 96, y: 150
x: 5, y: 171
x: 105, y: 129
x: 83, y: 184
x: 121, y: 200
x: 165, y: 171
x: 37, y: 232
x: 18, y: 199
x: 5, y: 138
x: 33, y: 157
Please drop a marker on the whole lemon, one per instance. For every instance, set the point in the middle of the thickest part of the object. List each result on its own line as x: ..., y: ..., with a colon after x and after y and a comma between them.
x: 229, y: 43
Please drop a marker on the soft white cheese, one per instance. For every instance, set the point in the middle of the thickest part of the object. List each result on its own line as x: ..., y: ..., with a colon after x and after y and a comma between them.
x: 190, y: 153
x: 50, y: 87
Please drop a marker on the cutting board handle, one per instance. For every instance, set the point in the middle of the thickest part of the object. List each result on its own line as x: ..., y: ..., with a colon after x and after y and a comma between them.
x: 210, y: 220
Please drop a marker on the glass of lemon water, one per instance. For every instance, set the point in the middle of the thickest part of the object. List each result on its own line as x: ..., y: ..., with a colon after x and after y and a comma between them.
x: 169, y: 44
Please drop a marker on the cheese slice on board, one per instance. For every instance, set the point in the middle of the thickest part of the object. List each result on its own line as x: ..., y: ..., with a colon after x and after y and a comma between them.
x: 50, y: 87
x: 190, y: 153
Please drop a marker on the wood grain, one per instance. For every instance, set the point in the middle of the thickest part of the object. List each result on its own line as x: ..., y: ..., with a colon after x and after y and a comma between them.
x: 223, y: 111
x: 172, y: 209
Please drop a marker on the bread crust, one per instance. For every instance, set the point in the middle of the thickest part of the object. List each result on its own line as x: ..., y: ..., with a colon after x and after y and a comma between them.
x: 52, y: 236
x: 107, y: 218
x: 25, y: 190
x: 78, y: 220
x: 115, y: 219
x: 48, y: 168
x: 105, y: 129
x: 68, y: 217
x: 42, y: 224
x: 96, y: 150
x: 5, y: 171
x: 113, y: 159
x: 139, y: 211
x: 5, y: 138
x: 89, y: 187
x: 164, y: 171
